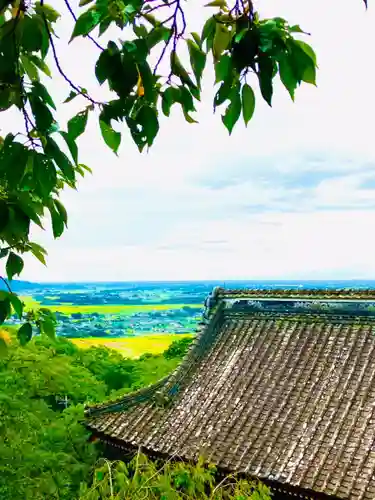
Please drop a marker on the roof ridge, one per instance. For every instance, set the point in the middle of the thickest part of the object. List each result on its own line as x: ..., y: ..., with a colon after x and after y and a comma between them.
x: 161, y: 391
x: 355, y: 293
x: 197, y: 350
x: 127, y: 400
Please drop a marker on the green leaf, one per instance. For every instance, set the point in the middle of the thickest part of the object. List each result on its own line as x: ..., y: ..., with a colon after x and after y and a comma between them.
x: 221, y: 40
x: 71, y: 96
x: 29, y: 67
x: 104, y: 25
x: 31, y: 34
x: 38, y: 252
x: 296, y: 29
x: 5, y: 309
x: 147, y: 117
x: 58, y: 225
x: 197, y: 39
x: 140, y: 31
x: 40, y: 90
x: 197, y: 60
x: 302, y: 61
x: 43, y: 116
x: 44, y: 174
x: 103, y: 66
x: 73, y: 148
x: 248, y: 103
x: 223, y: 68
x: 169, y: 97
x: 178, y: 70
x: 86, y: 23
x: 49, y: 12
x: 25, y: 333
x: 61, y: 210
x: 16, y: 304
x: 307, y: 50
x: 188, y: 118
x: 77, y: 124
x: 287, y: 75
x: 13, y: 164
x: 156, y: 35
x: 217, y: 3
x: 233, y: 111
x: 5, y: 99
x: 209, y: 28
x: 14, y: 265
x: 151, y: 19
x: 186, y: 100
x: 144, y: 126
x: 110, y: 136
x: 19, y: 223
x: 222, y: 94
x: 47, y: 326
x: 30, y: 208
x: 85, y: 167
x: 265, y: 75
x: 309, y: 75
x: 53, y: 151
x: 148, y: 82
x: 39, y: 63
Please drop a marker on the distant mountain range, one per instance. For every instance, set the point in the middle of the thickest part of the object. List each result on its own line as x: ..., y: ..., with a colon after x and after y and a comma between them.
x: 19, y: 285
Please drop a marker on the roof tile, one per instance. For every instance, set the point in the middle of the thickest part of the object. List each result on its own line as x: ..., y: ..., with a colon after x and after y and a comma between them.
x: 282, y: 396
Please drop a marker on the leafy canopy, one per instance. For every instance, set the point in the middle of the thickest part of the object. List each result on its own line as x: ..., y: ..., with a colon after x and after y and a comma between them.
x: 42, y: 159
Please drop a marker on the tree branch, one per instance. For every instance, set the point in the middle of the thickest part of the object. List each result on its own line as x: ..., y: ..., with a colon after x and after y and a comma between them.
x: 57, y: 62
x: 175, y: 34
x: 6, y: 284
x: 75, y: 19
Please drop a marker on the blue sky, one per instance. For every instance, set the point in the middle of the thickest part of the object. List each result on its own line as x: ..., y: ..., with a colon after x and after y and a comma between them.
x: 291, y: 196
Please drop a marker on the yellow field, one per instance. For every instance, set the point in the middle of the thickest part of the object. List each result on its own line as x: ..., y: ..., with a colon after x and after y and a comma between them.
x: 104, y: 309
x: 132, y: 347
x: 29, y: 302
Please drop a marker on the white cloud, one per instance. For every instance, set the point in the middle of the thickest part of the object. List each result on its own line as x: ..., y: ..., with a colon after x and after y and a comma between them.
x: 289, y: 245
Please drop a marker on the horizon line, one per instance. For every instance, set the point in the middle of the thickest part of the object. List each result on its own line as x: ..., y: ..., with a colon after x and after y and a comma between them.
x: 219, y: 281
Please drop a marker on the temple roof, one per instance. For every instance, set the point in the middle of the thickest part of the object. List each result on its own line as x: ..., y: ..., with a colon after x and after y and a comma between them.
x: 279, y: 385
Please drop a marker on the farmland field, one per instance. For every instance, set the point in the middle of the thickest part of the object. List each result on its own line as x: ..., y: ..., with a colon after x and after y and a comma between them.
x: 132, y: 319
x: 135, y: 317
x: 132, y: 347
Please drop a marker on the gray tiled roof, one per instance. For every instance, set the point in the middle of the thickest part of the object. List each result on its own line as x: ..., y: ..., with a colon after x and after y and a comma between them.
x: 284, y: 397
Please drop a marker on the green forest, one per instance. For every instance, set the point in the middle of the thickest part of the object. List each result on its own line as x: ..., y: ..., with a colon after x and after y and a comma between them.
x: 45, y: 450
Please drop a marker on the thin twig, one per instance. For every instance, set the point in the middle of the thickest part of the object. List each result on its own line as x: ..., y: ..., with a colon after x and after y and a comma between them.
x: 6, y: 284
x: 75, y: 19
x: 57, y: 62
x: 175, y: 34
x: 161, y: 6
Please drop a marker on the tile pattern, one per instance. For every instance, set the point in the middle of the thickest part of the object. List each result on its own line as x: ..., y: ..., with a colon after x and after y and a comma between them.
x: 284, y: 399
x: 361, y: 294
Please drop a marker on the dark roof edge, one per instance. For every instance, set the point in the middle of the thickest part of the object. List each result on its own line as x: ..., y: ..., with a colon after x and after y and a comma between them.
x: 130, y: 399
x: 276, y: 487
x: 350, y: 293
x: 162, y: 390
